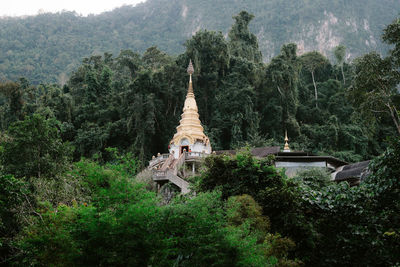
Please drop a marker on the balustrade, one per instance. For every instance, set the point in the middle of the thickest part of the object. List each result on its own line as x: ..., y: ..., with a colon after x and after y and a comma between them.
x: 159, y: 159
x: 195, y: 154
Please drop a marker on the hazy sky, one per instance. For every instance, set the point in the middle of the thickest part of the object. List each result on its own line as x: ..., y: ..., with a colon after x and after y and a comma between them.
x: 84, y: 7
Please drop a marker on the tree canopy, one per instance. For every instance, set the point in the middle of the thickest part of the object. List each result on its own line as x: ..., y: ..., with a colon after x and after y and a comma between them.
x: 70, y: 155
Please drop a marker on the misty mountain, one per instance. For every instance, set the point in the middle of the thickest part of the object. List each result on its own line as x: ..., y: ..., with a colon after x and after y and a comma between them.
x: 47, y: 47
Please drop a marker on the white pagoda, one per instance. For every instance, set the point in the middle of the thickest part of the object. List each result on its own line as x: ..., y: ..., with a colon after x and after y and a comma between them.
x: 190, y: 135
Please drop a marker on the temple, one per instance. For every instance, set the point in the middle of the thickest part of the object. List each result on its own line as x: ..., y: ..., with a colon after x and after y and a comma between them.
x: 190, y: 145
x: 186, y: 149
x: 189, y: 135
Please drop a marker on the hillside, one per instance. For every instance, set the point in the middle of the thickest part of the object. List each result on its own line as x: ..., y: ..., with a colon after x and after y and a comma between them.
x: 48, y: 47
x: 72, y: 189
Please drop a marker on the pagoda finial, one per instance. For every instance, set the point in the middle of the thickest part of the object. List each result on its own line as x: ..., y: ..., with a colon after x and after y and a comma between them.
x: 286, y: 147
x: 190, y: 70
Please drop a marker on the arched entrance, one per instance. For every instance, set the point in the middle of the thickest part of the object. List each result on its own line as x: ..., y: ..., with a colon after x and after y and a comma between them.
x: 184, y: 145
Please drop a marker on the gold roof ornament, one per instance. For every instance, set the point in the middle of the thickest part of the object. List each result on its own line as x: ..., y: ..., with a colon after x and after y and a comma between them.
x: 190, y: 70
x: 286, y: 148
x: 190, y: 126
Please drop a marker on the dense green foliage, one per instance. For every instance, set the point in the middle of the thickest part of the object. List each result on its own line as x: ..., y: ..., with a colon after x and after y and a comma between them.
x: 331, y: 224
x: 34, y: 148
x: 132, y: 101
x: 122, y: 224
x: 13, y: 193
x: 69, y: 157
x: 48, y: 47
x: 278, y: 196
x: 363, y: 220
x: 374, y: 88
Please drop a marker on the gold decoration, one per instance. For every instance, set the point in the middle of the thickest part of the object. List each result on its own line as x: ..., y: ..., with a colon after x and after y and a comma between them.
x: 286, y: 148
x: 190, y: 68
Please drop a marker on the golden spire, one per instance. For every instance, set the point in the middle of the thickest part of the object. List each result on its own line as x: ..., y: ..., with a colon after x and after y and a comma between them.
x: 286, y: 148
x: 190, y: 70
x: 190, y: 126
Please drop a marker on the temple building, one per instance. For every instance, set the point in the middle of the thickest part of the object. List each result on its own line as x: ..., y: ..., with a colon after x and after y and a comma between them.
x: 190, y: 145
x: 189, y: 135
x: 186, y: 149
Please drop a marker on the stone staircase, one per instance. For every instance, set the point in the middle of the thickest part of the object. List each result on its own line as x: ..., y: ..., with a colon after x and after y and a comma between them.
x: 169, y: 172
x: 172, y: 178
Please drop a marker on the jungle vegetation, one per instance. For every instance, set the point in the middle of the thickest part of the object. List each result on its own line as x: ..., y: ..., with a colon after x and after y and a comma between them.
x: 48, y: 47
x: 70, y: 154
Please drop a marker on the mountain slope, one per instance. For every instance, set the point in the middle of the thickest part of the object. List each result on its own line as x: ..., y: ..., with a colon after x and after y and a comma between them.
x: 48, y: 47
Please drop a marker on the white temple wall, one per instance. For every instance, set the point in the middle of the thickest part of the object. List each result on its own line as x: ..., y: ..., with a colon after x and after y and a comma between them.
x: 197, y: 147
x: 175, y: 150
x: 200, y: 147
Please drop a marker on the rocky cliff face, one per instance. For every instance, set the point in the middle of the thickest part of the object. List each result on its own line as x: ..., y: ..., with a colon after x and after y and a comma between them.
x: 325, y: 34
x: 313, y: 25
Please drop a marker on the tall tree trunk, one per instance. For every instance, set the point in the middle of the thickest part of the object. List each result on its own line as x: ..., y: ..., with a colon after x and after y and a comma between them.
x: 395, y: 117
x: 315, y: 89
x: 344, y: 79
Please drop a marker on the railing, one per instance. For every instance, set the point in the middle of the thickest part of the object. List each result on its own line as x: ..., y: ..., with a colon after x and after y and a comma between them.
x: 171, y: 174
x: 167, y: 163
x: 164, y: 157
x: 179, y: 163
x: 157, y: 160
x: 195, y: 154
x: 160, y: 175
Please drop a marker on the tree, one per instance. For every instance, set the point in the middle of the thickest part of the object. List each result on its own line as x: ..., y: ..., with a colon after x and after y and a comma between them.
x: 340, y: 54
x: 374, y: 87
x: 14, y: 93
x: 312, y: 61
x: 155, y: 59
x: 13, y: 192
x: 123, y: 225
x: 283, y: 72
x: 363, y: 220
x: 316, y: 178
x: 374, y: 90
x: 278, y: 196
x: 210, y: 55
x: 236, y: 93
x: 34, y: 148
x: 392, y: 36
x: 246, y: 221
x: 243, y: 43
x: 129, y: 59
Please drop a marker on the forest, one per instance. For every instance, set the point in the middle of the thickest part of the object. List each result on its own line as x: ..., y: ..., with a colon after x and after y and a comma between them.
x: 71, y: 156
x: 48, y: 47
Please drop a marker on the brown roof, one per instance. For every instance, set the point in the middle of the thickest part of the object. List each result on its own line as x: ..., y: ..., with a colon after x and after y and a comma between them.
x: 265, y: 151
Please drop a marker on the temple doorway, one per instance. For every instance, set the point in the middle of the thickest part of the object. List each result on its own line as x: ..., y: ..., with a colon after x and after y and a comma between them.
x: 183, y: 148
